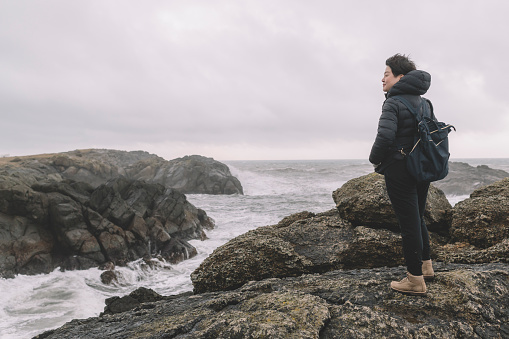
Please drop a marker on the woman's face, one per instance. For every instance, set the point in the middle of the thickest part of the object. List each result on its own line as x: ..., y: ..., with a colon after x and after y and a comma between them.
x: 389, y: 79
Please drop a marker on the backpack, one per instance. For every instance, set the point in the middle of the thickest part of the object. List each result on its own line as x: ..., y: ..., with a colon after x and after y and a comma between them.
x: 429, y: 157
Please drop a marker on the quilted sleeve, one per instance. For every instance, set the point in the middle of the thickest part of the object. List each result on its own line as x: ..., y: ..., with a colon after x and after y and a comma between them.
x: 387, y: 128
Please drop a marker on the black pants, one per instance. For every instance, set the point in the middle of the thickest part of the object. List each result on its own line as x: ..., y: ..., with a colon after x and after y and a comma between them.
x: 408, y: 198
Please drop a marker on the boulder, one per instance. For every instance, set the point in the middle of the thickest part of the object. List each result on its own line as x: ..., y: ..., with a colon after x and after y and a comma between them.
x: 364, y: 201
x: 464, y: 178
x: 483, y: 219
x: 74, y: 226
x: 464, y: 301
x: 134, y: 299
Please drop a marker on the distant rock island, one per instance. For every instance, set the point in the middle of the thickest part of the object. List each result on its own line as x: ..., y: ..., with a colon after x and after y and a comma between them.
x: 90, y: 208
x: 189, y: 175
x: 463, y: 179
x: 327, y: 275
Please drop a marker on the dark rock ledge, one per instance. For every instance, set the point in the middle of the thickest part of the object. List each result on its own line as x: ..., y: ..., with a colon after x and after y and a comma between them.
x: 96, y: 207
x: 66, y: 224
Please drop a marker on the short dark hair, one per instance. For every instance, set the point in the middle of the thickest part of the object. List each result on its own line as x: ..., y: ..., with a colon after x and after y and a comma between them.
x: 400, y: 64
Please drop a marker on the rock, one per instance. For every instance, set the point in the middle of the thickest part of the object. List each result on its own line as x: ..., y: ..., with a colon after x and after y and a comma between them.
x: 134, y: 299
x: 108, y: 277
x: 464, y: 301
x: 463, y: 178
x: 120, y: 304
x: 315, y: 243
x: 321, y: 276
x: 364, y: 201
x: 483, y: 219
x: 318, y: 244
x: 70, y: 225
x: 465, y: 253
x: 191, y: 174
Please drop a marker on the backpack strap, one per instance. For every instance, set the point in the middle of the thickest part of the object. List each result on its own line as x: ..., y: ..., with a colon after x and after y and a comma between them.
x: 432, y: 113
x: 416, y: 115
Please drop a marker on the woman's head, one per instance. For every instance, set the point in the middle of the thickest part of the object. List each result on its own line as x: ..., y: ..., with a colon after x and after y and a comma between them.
x: 396, y: 67
x: 400, y: 64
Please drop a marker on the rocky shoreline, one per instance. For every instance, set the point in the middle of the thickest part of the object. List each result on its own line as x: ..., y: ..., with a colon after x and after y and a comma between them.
x: 326, y: 275
x: 90, y: 208
x: 465, y: 301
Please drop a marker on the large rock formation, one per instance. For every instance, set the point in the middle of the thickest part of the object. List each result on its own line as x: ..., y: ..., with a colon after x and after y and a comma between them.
x: 463, y: 302
x: 45, y: 224
x: 463, y: 178
x: 364, y: 201
x: 84, y: 208
x: 190, y: 174
x: 308, y: 243
x: 314, y: 244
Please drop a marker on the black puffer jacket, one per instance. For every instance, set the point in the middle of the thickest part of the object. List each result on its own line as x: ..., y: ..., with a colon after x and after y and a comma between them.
x: 397, y: 126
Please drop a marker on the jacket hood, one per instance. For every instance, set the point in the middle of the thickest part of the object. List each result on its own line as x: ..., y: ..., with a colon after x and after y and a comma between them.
x: 414, y: 82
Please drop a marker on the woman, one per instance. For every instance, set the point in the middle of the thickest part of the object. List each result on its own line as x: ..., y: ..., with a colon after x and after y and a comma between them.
x: 395, y: 137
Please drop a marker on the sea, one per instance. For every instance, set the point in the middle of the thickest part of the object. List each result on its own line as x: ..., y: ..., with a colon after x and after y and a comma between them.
x: 30, y: 305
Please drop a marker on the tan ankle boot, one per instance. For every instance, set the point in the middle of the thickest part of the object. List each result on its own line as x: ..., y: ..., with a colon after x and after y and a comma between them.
x: 427, y: 270
x: 412, y: 284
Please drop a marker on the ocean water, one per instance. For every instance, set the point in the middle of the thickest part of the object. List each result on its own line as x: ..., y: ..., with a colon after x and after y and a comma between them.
x: 30, y: 305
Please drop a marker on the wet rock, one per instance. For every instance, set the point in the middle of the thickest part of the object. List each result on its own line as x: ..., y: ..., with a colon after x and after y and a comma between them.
x: 364, y: 201
x: 47, y: 225
x: 108, y: 277
x: 464, y: 301
x: 134, y: 299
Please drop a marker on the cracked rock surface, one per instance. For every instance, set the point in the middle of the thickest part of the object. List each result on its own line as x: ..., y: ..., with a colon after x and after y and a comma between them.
x: 464, y: 301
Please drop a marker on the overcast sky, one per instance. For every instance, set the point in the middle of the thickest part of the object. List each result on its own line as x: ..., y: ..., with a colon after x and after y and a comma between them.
x: 235, y: 79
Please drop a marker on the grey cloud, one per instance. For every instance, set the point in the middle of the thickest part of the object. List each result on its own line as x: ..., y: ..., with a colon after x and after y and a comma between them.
x: 254, y: 72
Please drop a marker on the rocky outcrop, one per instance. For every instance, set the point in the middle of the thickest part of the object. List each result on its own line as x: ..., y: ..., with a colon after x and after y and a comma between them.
x: 46, y: 224
x: 322, y: 276
x: 463, y: 302
x: 483, y: 219
x: 463, y: 178
x: 316, y: 244
x: 308, y: 243
x: 190, y: 174
x: 364, y: 201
